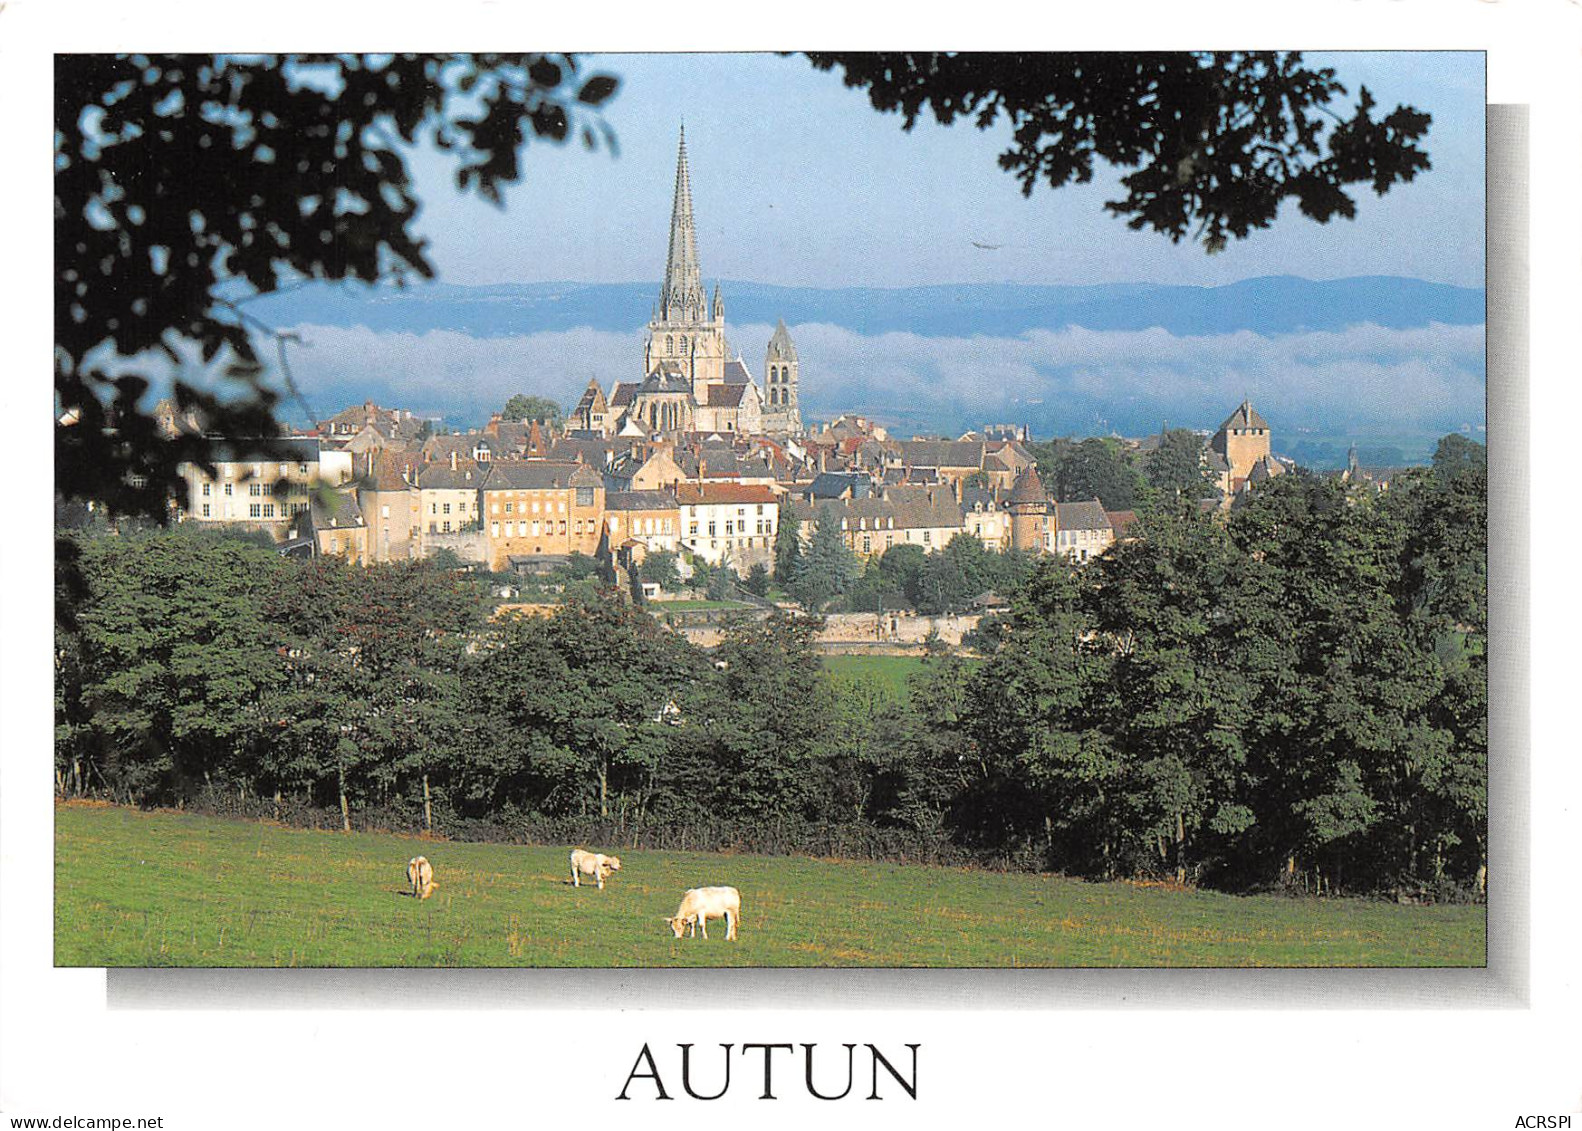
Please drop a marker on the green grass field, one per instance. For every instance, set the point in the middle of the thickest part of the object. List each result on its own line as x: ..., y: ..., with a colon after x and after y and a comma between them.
x: 889, y: 672
x: 166, y: 889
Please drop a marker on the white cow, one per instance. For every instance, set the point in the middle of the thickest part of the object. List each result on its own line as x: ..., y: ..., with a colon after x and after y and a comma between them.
x: 699, y: 905
x: 420, y: 874
x: 595, y: 864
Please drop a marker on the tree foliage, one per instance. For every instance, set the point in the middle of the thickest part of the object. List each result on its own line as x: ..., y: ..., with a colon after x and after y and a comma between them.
x: 1295, y: 693
x: 523, y: 406
x: 1217, y: 141
x: 1176, y: 469
x: 185, y: 185
x: 1095, y: 468
x: 829, y: 567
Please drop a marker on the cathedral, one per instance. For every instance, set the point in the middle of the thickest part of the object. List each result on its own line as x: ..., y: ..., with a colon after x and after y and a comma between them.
x: 692, y: 380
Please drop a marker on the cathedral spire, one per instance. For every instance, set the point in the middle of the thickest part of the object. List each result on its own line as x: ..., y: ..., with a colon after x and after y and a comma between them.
x: 681, y: 299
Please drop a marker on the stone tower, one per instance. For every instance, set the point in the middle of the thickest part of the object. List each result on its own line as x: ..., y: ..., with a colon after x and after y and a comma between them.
x: 686, y: 335
x: 1029, y: 508
x: 1242, y: 440
x: 780, y: 384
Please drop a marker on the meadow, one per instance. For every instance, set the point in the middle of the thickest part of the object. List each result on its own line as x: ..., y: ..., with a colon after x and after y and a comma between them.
x: 137, y: 888
x: 890, y: 673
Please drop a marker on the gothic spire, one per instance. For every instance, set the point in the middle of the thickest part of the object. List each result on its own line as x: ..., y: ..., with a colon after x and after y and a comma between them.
x: 681, y: 299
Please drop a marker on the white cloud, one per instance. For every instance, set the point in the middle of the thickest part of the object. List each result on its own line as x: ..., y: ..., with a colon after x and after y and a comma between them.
x: 1365, y: 375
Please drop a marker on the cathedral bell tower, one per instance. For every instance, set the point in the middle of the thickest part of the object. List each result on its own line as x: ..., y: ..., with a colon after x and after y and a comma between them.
x: 780, y: 383
x: 686, y: 335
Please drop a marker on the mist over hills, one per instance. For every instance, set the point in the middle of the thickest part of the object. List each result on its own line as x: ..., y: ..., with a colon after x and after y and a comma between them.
x: 1280, y: 304
x: 1387, y: 361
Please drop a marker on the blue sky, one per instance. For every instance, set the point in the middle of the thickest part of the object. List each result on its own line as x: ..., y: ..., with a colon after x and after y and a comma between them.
x: 798, y: 181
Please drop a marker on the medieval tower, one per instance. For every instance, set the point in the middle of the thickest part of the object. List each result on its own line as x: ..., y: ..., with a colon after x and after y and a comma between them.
x: 1242, y: 440
x: 1029, y: 507
x: 780, y: 384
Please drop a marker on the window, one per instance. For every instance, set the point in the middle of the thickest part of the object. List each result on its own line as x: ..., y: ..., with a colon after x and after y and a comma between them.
x: 254, y: 510
x: 584, y: 496
x: 562, y: 526
x: 711, y: 530
x: 926, y: 538
x: 255, y: 489
x: 535, y: 506
x: 205, y: 490
x: 205, y: 510
x: 269, y: 510
x: 728, y: 530
x: 384, y: 512
x: 508, y: 507
x: 431, y: 529
x: 494, y: 530
x: 692, y: 529
x: 760, y: 508
x: 561, y: 507
x: 867, y: 544
x: 447, y: 508
x: 447, y: 526
x: 302, y: 469
x: 494, y: 508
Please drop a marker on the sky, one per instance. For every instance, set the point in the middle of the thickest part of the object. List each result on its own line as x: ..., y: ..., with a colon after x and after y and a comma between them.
x: 798, y: 181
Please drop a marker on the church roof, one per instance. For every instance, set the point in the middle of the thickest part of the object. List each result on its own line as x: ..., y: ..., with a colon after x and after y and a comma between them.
x: 726, y: 396
x: 665, y: 380
x: 622, y: 394
x: 736, y: 373
x: 1245, y: 416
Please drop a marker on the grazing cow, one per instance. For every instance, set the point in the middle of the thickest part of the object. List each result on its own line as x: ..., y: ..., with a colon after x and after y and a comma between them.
x: 595, y: 864
x: 699, y: 905
x: 420, y: 874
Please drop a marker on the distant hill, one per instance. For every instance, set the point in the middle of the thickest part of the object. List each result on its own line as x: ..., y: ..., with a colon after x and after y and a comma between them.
x: 1273, y: 305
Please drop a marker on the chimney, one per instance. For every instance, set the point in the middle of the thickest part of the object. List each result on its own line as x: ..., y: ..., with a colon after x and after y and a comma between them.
x: 453, y: 459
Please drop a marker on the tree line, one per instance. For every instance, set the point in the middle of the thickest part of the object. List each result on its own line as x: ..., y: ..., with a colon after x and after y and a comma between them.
x: 1293, y: 694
